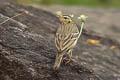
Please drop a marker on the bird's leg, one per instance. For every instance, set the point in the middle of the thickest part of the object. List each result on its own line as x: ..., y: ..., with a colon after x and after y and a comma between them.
x: 70, y: 57
x: 70, y: 53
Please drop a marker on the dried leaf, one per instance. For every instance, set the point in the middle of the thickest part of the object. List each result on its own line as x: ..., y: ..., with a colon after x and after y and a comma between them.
x: 113, y: 47
x: 91, y: 41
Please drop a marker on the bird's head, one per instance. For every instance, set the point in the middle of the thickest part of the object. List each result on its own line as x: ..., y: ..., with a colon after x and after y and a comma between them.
x: 66, y: 19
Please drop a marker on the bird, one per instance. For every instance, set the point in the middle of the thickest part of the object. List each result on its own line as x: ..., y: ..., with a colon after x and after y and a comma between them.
x: 66, y: 38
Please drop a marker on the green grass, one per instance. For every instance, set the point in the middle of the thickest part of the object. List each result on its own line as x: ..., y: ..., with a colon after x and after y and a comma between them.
x: 92, y: 3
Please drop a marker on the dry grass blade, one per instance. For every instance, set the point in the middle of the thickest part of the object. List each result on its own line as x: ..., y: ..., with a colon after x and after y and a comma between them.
x: 10, y: 18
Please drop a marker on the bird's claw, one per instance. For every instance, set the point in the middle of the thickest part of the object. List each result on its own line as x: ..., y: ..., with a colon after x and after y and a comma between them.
x: 69, y: 60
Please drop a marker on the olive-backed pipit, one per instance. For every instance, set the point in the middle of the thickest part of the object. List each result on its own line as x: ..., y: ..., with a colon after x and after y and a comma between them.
x: 66, y: 37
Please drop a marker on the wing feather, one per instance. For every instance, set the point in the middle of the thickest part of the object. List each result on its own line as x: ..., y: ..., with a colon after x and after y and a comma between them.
x: 66, y: 37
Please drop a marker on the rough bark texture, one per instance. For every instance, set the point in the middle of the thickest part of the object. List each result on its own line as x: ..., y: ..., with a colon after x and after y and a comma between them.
x: 27, y: 49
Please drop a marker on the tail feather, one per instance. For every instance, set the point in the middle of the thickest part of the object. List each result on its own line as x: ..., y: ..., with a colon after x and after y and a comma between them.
x: 57, y: 61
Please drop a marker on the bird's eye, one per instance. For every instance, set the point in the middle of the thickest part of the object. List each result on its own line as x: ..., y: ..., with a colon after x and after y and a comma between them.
x: 65, y: 18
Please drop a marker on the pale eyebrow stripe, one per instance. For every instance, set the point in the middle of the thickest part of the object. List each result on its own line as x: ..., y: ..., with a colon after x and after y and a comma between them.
x: 66, y: 16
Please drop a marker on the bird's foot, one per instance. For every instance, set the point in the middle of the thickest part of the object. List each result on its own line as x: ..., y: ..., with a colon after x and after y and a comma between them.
x: 68, y: 60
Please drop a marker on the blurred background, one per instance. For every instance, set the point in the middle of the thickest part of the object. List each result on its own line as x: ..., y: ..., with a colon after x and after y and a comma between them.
x: 103, y: 15
x: 90, y: 3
